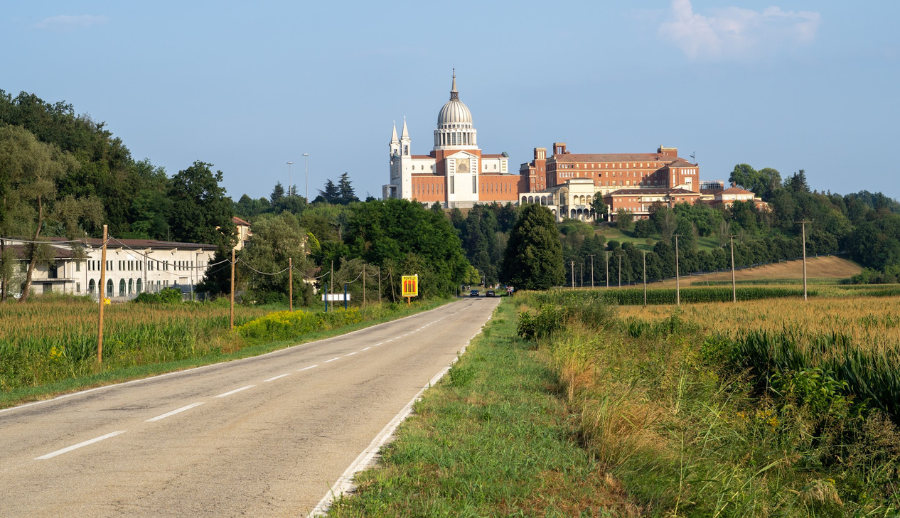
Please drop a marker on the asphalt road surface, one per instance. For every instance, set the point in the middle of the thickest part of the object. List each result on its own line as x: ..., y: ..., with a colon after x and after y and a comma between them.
x: 263, y: 436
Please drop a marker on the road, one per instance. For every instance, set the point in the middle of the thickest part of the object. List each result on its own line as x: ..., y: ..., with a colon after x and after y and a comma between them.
x: 263, y: 436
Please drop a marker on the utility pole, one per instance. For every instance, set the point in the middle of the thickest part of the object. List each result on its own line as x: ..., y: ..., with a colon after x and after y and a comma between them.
x: 645, y: 277
x: 379, y: 285
x: 677, y: 280
x: 289, y: 178
x: 803, y: 226
x: 306, y: 173
x: 364, y: 285
x: 291, y: 283
x: 733, y: 283
x: 231, y: 319
x: 607, y: 269
x: 573, y: 275
x: 581, y: 282
x: 592, y: 271
x: 331, y: 277
x: 620, y: 270
x: 102, y: 298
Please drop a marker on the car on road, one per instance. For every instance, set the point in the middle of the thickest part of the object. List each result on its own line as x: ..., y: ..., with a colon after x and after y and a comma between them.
x: 490, y: 293
x: 473, y: 293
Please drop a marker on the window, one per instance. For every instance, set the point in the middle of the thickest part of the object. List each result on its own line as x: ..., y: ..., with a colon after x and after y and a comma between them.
x: 122, y: 288
x: 109, y: 288
x: 474, y: 184
x: 77, y: 266
x: 91, y: 286
x: 77, y: 287
x: 452, y: 185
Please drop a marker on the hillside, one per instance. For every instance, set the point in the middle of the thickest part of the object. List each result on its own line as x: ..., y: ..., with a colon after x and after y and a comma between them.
x: 826, y: 267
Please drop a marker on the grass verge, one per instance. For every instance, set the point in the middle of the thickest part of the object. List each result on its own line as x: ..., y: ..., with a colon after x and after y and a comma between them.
x: 226, y: 346
x: 492, y: 439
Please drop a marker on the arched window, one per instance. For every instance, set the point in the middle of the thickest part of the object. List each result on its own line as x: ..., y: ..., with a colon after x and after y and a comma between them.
x: 122, y: 288
x: 109, y: 288
x: 91, y: 286
x: 139, y: 286
x: 130, y: 286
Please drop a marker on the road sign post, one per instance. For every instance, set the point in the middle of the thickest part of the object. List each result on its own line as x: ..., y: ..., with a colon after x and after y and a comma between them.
x: 410, y: 287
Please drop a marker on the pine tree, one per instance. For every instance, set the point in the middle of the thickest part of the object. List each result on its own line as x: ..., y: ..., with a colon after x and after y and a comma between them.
x: 533, y: 259
x: 277, y: 193
x: 346, y: 194
x: 331, y: 194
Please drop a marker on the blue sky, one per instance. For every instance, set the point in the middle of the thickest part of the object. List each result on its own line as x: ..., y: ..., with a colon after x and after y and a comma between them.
x: 249, y: 86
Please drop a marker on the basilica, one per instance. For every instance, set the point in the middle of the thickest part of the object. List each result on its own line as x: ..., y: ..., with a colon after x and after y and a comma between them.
x: 456, y: 173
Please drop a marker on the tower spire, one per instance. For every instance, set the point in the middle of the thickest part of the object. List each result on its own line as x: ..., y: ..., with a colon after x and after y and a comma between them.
x: 405, y: 134
x: 454, y: 95
x: 394, y: 135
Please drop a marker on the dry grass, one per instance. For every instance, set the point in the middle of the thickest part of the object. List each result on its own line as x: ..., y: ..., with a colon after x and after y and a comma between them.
x: 829, y: 267
x: 872, y: 321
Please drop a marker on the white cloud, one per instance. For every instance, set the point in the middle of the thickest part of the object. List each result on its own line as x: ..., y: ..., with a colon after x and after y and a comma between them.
x: 736, y: 33
x: 68, y: 23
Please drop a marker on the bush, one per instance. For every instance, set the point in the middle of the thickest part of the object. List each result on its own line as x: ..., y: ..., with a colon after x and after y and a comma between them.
x: 166, y: 296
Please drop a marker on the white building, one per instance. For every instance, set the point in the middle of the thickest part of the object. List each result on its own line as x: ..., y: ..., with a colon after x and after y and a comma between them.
x: 133, y: 266
x: 456, y: 173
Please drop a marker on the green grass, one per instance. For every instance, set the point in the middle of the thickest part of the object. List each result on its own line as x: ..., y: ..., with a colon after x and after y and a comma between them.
x: 491, y: 439
x: 647, y: 243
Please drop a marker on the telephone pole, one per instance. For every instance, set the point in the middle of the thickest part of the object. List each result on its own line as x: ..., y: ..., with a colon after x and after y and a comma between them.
x: 607, y: 269
x: 803, y: 226
x: 102, y: 298
x: 645, y: 277
x: 573, y: 275
x: 677, y: 280
x: 733, y: 283
x: 592, y: 271
x: 620, y: 270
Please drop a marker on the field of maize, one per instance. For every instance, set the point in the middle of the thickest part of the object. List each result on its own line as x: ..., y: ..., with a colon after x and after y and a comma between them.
x: 51, y: 339
x: 854, y: 340
x: 775, y: 407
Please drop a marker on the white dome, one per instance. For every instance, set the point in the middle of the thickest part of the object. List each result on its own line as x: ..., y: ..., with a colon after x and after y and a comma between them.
x: 454, y: 112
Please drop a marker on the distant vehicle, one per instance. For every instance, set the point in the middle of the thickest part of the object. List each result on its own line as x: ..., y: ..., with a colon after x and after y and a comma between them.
x: 473, y: 293
x: 490, y: 293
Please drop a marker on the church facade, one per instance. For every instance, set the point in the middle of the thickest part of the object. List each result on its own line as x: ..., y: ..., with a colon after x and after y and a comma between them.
x: 455, y: 173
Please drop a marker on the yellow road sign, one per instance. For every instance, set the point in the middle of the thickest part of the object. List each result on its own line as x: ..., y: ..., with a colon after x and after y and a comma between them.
x: 410, y: 286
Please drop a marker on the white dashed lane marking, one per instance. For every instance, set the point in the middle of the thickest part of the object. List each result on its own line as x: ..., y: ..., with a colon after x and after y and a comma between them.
x: 173, y: 412
x: 276, y: 377
x: 331, y: 360
x: 307, y: 368
x: 79, y: 445
x: 235, y: 391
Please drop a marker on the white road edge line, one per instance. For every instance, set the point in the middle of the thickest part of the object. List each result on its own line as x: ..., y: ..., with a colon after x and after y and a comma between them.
x: 345, y: 484
x: 331, y: 360
x: 173, y: 412
x: 79, y: 445
x: 276, y: 377
x: 235, y: 391
x: 307, y: 368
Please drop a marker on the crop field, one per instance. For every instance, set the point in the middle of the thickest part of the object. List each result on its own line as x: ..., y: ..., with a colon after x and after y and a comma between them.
x: 775, y: 407
x: 51, y: 339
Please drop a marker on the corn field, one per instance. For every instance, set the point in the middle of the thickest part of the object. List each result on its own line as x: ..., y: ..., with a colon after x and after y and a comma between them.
x: 50, y: 340
x: 854, y: 340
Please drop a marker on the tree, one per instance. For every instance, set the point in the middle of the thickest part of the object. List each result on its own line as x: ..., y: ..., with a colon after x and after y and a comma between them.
x: 533, y: 259
x: 624, y: 219
x: 405, y: 238
x: 276, y: 240
x: 598, y: 207
x: 277, y: 193
x: 346, y: 195
x: 201, y: 213
x: 31, y: 204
